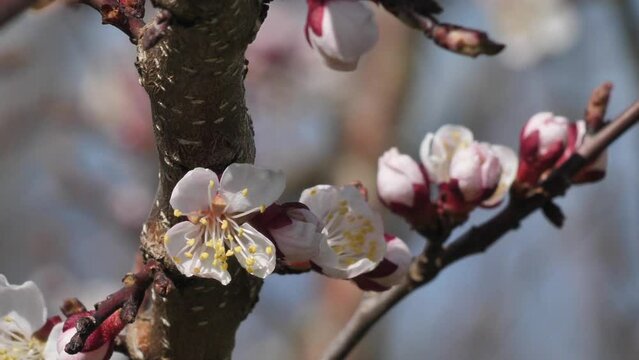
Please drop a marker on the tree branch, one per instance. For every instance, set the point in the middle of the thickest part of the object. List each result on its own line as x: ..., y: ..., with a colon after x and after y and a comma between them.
x: 477, y: 239
x: 10, y: 8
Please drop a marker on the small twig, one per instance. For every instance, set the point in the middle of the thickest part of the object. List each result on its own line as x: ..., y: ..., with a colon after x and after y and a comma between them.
x: 125, y: 15
x: 128, y: 299
x: 11, y: 8
x: 478, y: 238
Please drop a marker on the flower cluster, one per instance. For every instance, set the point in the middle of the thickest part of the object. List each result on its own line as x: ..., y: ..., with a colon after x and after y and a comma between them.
x: 456, y: 175
x: 341, y: 31
x: 546, y: 142
x: 332, y: 229
x: 27, y: 334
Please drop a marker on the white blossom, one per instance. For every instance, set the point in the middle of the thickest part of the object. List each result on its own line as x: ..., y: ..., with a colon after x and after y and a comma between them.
x: 218, y: 228
x: 354, y: 238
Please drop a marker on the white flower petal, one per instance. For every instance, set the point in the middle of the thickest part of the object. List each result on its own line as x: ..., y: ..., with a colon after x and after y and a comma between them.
x: 320, y: 199
x: 396, y: 176
x: 398, y: 253
x: 184, y: 244
x: 246, y: 187
x: 437, y: 151
x: 51, y: 347
x: 63, y: 340
x: 253, y: 252
x: 299, y: 241
x: 193, y: 192
x: 25, y: 300
x: 509, y: 163
x: 348, y: 31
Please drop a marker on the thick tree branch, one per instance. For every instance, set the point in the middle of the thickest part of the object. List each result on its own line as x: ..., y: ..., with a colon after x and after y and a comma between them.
x: 476, y: 240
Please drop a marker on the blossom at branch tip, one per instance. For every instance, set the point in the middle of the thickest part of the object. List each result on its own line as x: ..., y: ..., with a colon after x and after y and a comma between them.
x: 469, y: 173
x: 218, y: 227
x: 353, y: 241
x: 98, y: 346
x: 294, y: 229
x: 403, y: 186
x: 546, y: 142
x: 341, y: 31
x: 24, y: 327
x: 543, y: 140
x: 391, y: 270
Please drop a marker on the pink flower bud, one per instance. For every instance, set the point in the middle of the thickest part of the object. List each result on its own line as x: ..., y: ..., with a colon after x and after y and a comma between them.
x: 294, y: 229
x: 391, y: 270
x: 98, y: 346
x: 341, y: 31
x: 543, y: 140
x: 402, y: 184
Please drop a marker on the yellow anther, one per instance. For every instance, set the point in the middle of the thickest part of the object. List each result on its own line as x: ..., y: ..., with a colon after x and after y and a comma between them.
x: 250, y: 261
x: 229, y: 237
x: 188, y: 254
x: 313, y: 192
x: 225, y: 224
x: 252, y: 249
x: 237, y: 249
x: 203, y: 221
x: 262, y: 208
x: 245, y: 192
x: 215, y: 262
x: 269, y: 250
x: 211, y: 184
x: 166, y: 239
x: 177, y: 260
x: 210, y: 243
x: 249, y: 269
x: 229, y: 253
x: 196, y: 270
x: 204, y: 255
x: 177, y: 213
x: 224, y: 266
x: 190, y: 242
x: 240, y: 232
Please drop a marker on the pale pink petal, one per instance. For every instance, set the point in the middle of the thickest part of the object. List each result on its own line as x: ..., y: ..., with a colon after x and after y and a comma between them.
x: 299, y: 241
x: 25, y: 301
x: 320, y: 199
x: 397, y: 174
x: 255, y: 252
x: 509, y: 163
x: 398, y: 253
x: 246, y: 187
x: 51, y: 347
x: 348, y: 31
x: 193, y: 192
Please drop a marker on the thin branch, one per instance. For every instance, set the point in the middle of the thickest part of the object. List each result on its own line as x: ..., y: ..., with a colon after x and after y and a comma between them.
x: 125, y: 15
x: 128, y: 299
x: 477, y: 239
x: 11, y: 8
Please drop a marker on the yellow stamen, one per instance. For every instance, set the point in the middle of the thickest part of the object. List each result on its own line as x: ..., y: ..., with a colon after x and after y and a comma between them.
x: 211, y: 184
x: 177, y: 213
x: 177, y: 260
x: 252, y: 249
x: 225, y: 224
x: 250, y: 261
x: 166, y: 239
x: 262, y: 209
x: 269, y: 250
x: 196, y: 270
x: 210, y: 243
x: 238, y: 249
x: 190, y: 242
x: 203, y: 221
x: 188, y: 254
x: 230, y: 253
x: 204, y: 255
x: 245, y: 192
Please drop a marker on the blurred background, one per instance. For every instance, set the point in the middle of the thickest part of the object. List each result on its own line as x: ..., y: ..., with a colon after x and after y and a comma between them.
x: 78, y: 170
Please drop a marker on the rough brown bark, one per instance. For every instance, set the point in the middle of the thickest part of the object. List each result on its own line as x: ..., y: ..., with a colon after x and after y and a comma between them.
x: 194, y: 77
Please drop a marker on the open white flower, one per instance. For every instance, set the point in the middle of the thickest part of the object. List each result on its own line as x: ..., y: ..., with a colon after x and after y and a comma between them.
x: 218, y: 213
x: 23, y: 316
x: 437, y: 150
x: 354, y: 235
x: 391, y: 271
